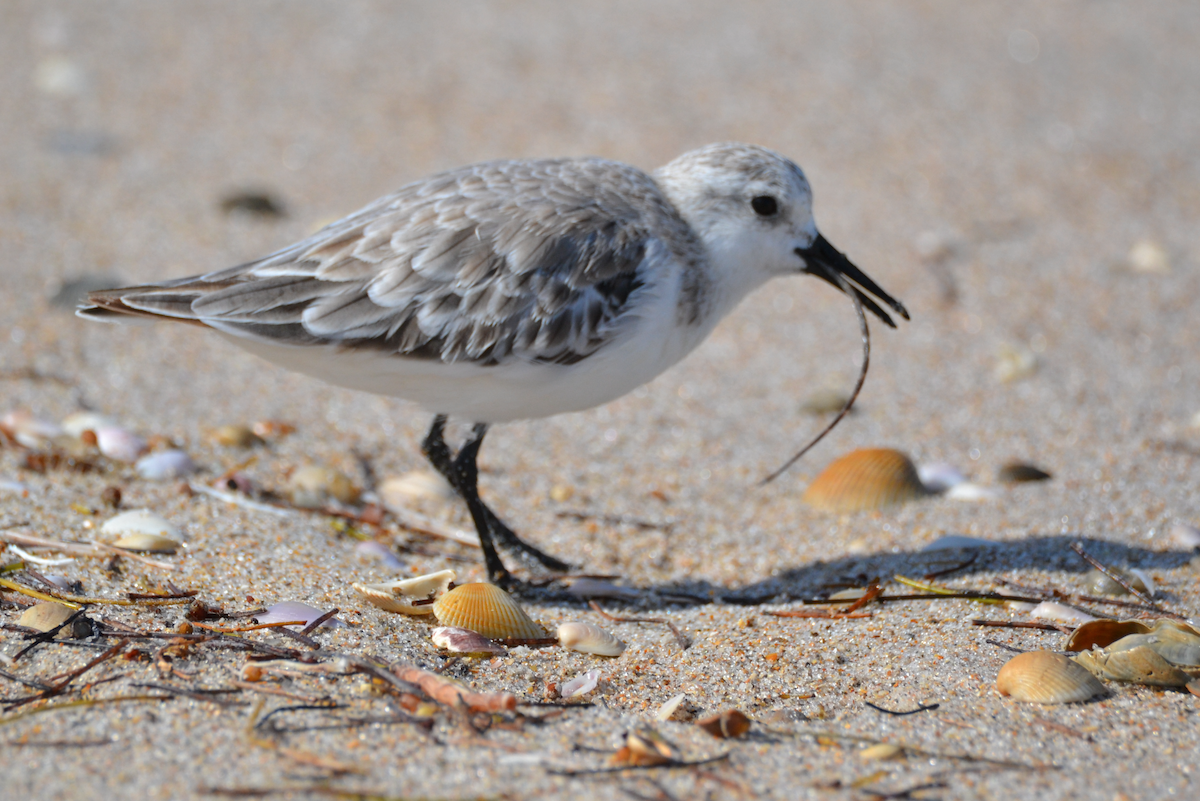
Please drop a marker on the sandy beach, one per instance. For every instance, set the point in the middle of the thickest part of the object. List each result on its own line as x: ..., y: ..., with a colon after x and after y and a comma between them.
x: 1025, y: 177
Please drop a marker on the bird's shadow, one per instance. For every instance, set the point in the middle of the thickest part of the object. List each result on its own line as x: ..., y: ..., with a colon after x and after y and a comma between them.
x: 819, y: 579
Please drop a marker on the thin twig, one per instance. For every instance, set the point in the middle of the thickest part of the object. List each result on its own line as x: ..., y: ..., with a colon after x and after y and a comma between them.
x: 1077, y: 547
x: 680, y: 638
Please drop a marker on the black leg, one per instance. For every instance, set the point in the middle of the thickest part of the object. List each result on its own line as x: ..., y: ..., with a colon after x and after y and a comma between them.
x: 463, y: 474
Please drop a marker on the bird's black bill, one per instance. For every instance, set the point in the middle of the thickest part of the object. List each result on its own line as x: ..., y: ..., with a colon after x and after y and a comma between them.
x: 826, y: 262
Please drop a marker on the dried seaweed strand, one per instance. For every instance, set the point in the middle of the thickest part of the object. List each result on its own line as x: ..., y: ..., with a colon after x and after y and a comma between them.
x: 824, y: 614
x: 920, y: 708
x: 1077, y: 547
x: 680, y: 638
x: 1020, y: 624
x: 83, y: 702
x: 295, y: 754
x: 32, y: 593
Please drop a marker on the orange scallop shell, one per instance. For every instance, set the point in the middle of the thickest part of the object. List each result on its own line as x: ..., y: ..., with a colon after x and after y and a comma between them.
x: 487, y: 610
x: 869, y: 478
x: 1044, y: 677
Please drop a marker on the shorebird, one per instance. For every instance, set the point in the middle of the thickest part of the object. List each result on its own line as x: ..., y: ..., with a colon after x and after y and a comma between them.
x: 517, y: 289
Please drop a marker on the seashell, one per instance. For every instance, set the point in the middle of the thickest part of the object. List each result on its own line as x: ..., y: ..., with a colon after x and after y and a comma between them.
x: 294, y: 610
x: 869, y: 478
x: 1044, y: 677
x: 1174, y: 642
x: 595, y: 588
x: 588, y: 638
x: 408, y: 596
x: 119, y: 444
x: 28, y: 429
x: 967, y: 491
x: 147, y: 543
x: 236, y: 436
x: 14, y: 487
x: 377, y: 550
x: 824, y: 401
x: 881, y: 752
x: 1014, y: 363
x: 312, y: 487
x: 581, y: 685
x: 415, y: 487
x: 727, y: 725
x: 1098, y: 583
x: 74, y: 425
x: 940, y: 476
x: 1020, y: 472
x: 1185, y: 536
x: 62, y: 582
x: 1102, y: 633
x: 165, y: 465
x: 561, y: 493
x: 487, y: 609
x: 667, y: 710
x: 50, y: 615
x: 269, y: 429
x: 465, y: 641
x: 643, y: 747
x: 955, y: 541
x: 1147, y: 256
x: 1140, y: 665
x: 1060, y: 613
x: 139, y: 521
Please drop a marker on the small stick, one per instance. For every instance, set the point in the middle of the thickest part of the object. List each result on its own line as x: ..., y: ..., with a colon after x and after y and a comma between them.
x: 1019, y: 624
x: 873, y: 592
x: 319, y: 621
x: 826, y: 614
x: 1077, y: 547
x: 452, y: 694
x: 679, y: 636
x: 254, y: 627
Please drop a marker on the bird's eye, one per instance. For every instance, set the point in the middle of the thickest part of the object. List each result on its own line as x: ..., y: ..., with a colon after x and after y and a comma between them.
x: 764, y: 205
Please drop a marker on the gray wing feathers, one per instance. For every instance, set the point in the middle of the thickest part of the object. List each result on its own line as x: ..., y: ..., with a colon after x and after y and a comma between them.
x: 532, y: 259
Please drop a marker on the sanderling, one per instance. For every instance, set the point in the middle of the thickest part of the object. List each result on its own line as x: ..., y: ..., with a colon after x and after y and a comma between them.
x: 517, y: 289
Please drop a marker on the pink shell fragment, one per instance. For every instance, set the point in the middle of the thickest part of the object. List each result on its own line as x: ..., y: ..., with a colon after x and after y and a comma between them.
x: 581, y: 685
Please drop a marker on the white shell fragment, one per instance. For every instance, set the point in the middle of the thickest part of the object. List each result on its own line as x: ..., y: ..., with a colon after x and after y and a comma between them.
x: 403, y: 596
x: 966, y: 491
x: 294, y: 610
x: 465, y: 641
x: 414, y: 487
x: 119, y: 444
x: 939, y: 476
x: 1185, y: 536
x: 1147, y: 256
x: 139, y: 521
x: 588, y: 638
x: 953, y: 541
x: 165, y: 465
x: 1060, y: 613
x: 147, y: 543
x: 581, y: 685
x: 75, y: 424
x: 28, y: 429
x: 669, y: 708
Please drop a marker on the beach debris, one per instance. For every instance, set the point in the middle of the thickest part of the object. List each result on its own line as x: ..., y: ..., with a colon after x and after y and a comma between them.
x: 312, y: 487
x: 597, y: 588
x: 487, y: 609
x: 881, y: 752
x: 255, y: 203
x: 416, y: 486
x: 452, y: 694
x: 1044, y: 677
x: 49, y: 615
x: 581, y: 684
x: 1102, y: 633
x: 1173, y: 641
x: 29, y: 430
x: 73, y: 425
x: 272, y: 429
x: 675, y: 705
x: 464, y: 641
x: 377, y: 550
x: 1099, y: 583
x: 1185, y: 535
x: 165, y: 465
x: 966, y: 491
x: 1140, y: 665
x: 236, y: 436
x: 561, y: 493
x: 144, y: 542
x: 951, y: 542
x: 589, y: 638
x: 643, y: 747
x: 1148, y: 256
x: 826, y: 400
x: 1060, y: 613
x: 120, y: 444
x: 1014, y: 363
x: 301, y: 614
x: 414, y: 596
x: 727, y: 725
x: 865, y: 479
x: 939, y: 477
x: 14, y: 487
x: 1021, y: 472
x: 142, y: 530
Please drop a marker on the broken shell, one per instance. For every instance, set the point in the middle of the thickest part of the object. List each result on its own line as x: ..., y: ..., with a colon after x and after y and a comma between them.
x: 414, y: 487
x: 268, y: 429
x: 487, y: 609
x: 729, y: 724
x: 940, y: 476
x: 119, y: 444
x: 668, y: 710
x: 581, y: 685
x: 588, y: 638
x: 139, y: 521
x: 967, y: 491
x: 881, y: 751
x: 1174, y: 642
x: 75, y: 424
x: 1102, y: 633
x: 28, y: 429
x: 312, y: 487
x: 408, y: 596
x: 644, y: 746
x: 1020, y: 472
x: 465, y: 641
x: 1098, y: 583
x: 236, y: 436
x: 165, y: 465
x: 147, y: 543
x: 1138, y: 665
x: 1185, y: 536
x: 50, y: 615
x: 1044, y: 677
x: 294, y: 610
x: 1060, y: 613
x: 869, y: 478
x: 825, y: 401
